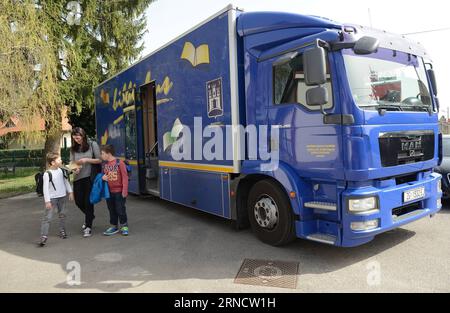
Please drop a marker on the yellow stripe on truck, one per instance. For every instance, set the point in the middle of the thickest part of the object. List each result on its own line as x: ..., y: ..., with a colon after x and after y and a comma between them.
x: 131, y: 162
x: 197, y: 167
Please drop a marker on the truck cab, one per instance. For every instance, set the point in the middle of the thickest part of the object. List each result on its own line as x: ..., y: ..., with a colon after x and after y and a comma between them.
x: 357, y: 114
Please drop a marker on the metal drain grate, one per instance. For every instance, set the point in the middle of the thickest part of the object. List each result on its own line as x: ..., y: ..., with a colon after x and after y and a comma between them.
x: 268, y: 273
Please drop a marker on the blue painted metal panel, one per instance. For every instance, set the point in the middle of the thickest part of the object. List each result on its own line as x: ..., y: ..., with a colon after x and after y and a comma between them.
x: 262, y: 22
x: 206, y: 192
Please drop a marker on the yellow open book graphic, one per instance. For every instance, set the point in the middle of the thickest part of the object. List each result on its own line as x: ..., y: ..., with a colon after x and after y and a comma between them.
x: 195, y: 56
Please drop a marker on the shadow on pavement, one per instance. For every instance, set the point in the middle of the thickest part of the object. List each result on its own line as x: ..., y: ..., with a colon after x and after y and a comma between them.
x: 167, y: 242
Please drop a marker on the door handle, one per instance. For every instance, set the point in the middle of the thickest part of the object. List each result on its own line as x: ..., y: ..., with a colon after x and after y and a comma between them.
x: 286, y: 126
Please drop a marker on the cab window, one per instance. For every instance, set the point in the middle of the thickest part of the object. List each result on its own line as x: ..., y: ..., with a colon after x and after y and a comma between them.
x: 289, y: 83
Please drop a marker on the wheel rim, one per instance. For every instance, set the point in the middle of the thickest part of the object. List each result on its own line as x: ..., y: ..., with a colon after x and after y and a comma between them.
x: 266, y: 212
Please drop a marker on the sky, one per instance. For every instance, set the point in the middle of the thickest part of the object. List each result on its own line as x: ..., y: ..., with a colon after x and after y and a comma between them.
x: 167, y: 19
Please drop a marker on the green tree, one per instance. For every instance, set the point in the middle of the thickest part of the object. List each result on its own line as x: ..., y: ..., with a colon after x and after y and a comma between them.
x: 54, y: 52
x: 103, y: 37
x: 28, y: 65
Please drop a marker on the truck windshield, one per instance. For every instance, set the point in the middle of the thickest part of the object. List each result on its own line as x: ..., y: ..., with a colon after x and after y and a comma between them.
x: 390, y: 80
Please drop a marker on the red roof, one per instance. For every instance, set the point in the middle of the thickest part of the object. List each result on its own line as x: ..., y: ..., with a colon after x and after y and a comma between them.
x: 14, y: 125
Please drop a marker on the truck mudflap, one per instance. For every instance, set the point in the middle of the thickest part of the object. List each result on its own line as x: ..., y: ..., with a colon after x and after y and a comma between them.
x: 398, y: 205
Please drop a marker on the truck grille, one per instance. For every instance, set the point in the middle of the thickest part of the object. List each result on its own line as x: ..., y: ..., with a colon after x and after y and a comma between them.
x: 398, y: 212
x: 406, y: 147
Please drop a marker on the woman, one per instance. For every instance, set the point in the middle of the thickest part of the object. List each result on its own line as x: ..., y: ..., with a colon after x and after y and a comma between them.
x: 86, y: 154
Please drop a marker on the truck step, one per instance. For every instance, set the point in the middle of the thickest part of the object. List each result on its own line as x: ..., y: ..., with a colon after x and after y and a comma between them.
x: 321, y: 206
x: 153, y: 192
x: 323, y: 238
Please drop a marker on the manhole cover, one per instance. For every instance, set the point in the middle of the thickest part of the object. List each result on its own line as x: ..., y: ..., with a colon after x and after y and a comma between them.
x: 268, y: 273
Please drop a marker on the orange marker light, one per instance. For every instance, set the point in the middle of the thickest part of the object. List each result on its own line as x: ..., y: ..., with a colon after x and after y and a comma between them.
x: 293, y: 195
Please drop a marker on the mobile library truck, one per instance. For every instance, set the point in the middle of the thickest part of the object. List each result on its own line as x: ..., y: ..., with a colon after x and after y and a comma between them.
x: 298, y: 126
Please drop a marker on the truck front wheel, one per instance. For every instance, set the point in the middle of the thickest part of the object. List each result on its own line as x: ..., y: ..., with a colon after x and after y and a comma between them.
x: 270, y: 214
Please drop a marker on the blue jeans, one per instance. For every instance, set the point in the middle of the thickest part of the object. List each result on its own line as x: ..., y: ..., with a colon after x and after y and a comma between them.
x: 117, y: 210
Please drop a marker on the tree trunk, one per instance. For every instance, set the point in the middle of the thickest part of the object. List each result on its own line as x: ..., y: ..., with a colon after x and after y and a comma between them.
x: 52, y: 144
x: 53, y: 134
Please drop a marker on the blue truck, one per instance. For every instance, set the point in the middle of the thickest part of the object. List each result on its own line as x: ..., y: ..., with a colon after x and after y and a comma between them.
x: 296, y: 126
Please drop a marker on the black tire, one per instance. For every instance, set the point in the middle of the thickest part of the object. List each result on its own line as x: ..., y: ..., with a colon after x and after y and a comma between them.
x: 283, y: 232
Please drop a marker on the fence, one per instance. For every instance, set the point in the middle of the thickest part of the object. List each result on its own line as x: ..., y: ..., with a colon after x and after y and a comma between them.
x: 18, y: 168
x: 27, y: 158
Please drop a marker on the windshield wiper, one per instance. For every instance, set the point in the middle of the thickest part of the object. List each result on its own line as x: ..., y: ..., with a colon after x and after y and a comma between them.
x: 379, y: 104
x: 382, y: 108
x: 421, y: 108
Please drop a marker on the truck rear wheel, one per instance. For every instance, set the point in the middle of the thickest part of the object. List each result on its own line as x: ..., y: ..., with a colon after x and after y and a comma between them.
x: 270, y: 214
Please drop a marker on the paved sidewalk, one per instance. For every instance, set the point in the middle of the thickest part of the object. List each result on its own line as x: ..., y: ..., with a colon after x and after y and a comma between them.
x: 172, y: 248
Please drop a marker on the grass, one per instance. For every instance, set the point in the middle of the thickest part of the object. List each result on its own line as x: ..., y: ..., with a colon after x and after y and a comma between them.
x: 20, y: 172
x: 22, y: 182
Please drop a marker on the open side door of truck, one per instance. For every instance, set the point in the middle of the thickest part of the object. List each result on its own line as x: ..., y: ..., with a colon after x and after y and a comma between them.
x: 149, y: 170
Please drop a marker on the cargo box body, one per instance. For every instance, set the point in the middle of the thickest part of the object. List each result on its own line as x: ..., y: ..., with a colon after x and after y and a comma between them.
x: 194, y: 76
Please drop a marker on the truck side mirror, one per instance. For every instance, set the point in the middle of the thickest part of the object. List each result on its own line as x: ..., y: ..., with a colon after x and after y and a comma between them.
x: 432, y: 77
x: 366, y: 45
x: 315, y: 66
x: 317, y: 96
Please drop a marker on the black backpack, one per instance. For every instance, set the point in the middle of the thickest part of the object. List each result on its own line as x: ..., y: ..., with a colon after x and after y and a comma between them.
x: 39, y: 178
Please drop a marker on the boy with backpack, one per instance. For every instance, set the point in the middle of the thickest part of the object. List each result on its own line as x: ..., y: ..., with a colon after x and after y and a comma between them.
x: 55, y: 188
x: 116, y: 174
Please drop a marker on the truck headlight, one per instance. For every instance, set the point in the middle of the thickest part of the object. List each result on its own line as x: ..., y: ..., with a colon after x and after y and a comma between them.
x: 363, y: 205
x: 439, y: 186
x: 365, y: 226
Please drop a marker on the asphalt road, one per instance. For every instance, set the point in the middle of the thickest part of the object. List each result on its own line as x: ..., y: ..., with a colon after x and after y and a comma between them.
x: 176, y: 249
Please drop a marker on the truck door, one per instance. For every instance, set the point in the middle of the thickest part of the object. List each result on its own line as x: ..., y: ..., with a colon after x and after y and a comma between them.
x: 150, y: 169
x: 306, y: 143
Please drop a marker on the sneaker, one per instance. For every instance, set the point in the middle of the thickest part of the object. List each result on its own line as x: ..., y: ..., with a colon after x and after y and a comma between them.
x: 111, y: 231
x: 63, y: 234
x: 87, y: 232
x: 42, y: 242
x: 83, y: 228
x: 125, y: 231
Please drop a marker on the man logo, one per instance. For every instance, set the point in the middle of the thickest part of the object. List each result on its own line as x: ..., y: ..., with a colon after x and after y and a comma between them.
x: 412, y: 145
